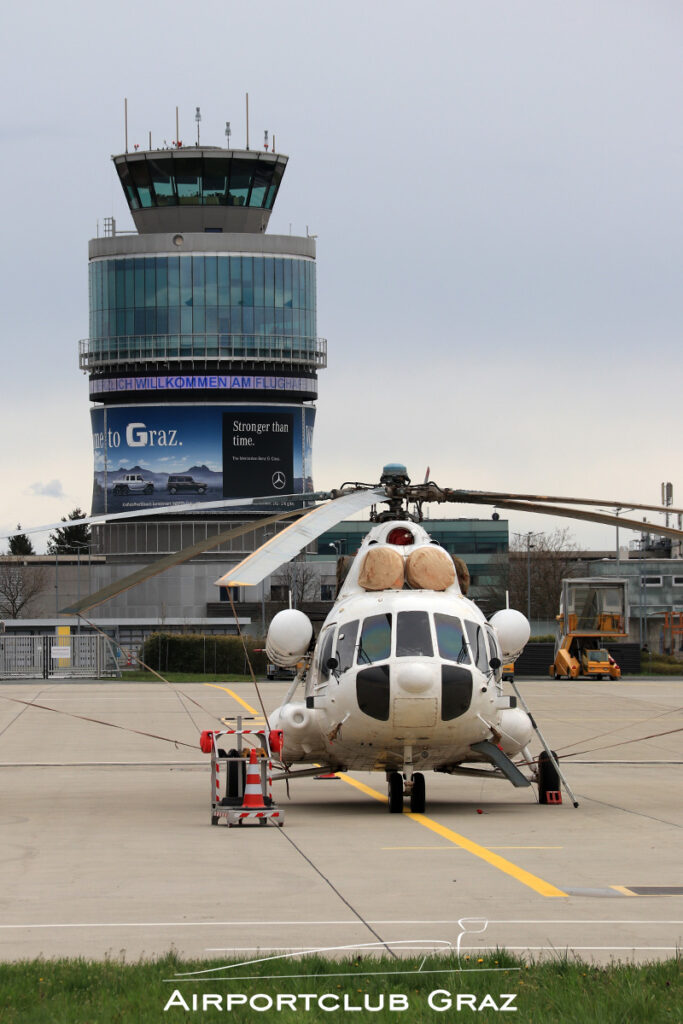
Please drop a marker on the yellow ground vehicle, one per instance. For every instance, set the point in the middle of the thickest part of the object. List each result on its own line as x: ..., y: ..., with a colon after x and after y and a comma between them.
x: 590, y: 610
x: 581, y: 656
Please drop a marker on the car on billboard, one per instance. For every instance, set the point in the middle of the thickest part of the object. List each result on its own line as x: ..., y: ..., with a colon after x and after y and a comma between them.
x: 178, y: 482
x: 133, y: 483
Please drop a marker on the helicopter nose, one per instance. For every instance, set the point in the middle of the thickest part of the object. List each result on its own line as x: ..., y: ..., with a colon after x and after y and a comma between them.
x: 415, y: 678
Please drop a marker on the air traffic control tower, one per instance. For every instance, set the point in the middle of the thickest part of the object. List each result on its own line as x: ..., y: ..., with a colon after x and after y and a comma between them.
x: 203, y: 352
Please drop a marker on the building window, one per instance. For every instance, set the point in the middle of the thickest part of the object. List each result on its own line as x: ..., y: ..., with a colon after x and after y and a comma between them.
x: 652, y: 581
x: 278, y: 592
x: 327, y: 591
x: 677, y: 581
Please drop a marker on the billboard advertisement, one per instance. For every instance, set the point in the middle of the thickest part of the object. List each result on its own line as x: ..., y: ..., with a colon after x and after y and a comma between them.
x: 147, y: 456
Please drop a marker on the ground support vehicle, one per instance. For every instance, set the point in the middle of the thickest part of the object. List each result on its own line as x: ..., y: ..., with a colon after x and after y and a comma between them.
x: 590, y: 611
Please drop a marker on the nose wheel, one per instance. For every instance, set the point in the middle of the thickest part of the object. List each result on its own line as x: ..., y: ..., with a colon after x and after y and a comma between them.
x: 395, y: 787
x: 416, y: 789
x: 417, y: 795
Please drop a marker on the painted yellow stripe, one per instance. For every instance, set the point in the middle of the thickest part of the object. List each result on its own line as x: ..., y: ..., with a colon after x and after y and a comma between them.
x: 490, y: 848
x: 234, y: 695
x: 362, y: 787
x: 495, y: 860
x: 623, y: 890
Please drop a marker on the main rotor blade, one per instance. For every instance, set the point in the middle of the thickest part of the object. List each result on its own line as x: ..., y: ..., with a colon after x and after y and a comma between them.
x: 193, y: 507
x: 591, y: 517
x: 285, y: 545
x: 492, y: 497
x: 168, y: 561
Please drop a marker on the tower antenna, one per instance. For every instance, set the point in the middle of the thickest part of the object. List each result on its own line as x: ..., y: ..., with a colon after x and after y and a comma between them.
x: 228, y: 133
x: 177, y: 131
x: 125, y: 121
x: 198, y: 118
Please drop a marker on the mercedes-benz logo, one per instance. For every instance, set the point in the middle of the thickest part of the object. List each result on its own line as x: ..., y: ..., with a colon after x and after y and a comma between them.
x: 279, y: 480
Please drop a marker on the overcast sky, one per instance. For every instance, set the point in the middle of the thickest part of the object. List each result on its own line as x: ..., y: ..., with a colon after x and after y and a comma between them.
x: 496, y: 191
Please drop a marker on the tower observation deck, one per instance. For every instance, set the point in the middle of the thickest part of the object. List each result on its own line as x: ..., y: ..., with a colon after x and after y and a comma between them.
x: 203, y: 352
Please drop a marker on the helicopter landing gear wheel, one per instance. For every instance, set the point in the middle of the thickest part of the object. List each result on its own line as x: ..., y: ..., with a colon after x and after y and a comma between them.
x: 548, y: 778
x: 395, y: 783
x: 417, y: 795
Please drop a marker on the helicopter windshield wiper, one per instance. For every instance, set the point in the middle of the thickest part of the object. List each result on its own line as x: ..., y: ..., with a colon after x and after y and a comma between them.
x: 463, y: 654
x: 364, y: 656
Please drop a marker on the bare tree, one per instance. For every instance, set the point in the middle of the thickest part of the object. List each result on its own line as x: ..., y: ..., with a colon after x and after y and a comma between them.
x: 300, y: 579
x: 20, y: 584
x: 545, y: 562
x: 534, y: 572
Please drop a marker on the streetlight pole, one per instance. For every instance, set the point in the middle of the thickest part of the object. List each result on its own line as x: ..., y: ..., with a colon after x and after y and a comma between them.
x: 617, y: 512
x: 78, y: 544
x: 528, y: 576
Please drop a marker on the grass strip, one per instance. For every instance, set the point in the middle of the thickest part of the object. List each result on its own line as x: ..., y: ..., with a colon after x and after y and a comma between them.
x: 561, y: 990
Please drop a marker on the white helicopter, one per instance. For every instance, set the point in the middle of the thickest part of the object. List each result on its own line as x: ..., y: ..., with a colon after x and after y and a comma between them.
x: 406, y: 673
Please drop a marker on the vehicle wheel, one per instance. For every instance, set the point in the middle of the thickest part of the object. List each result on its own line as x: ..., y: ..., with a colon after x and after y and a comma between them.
x: 214, y: 819
x: 201, y: 490
x: 548, y: 777
x: 172, y: 490
x: 417, y: 796
x: 149, y: 489
x: 395, y: 783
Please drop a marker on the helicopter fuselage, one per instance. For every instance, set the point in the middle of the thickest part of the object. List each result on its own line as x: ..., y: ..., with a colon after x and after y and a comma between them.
x: 401, y: 679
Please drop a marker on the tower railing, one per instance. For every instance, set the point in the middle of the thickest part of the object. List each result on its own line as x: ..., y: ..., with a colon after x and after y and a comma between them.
x: 102, y: 353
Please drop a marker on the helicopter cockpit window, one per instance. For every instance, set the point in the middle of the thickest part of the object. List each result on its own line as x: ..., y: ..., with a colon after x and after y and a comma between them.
x: 346, y: 645
x: 478, y: 645
x: 451, y: 639
x: 413, y: 635
x: 375, y: 639
x: 326, y: 654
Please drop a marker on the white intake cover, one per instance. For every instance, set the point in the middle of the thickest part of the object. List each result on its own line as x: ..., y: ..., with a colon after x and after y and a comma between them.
x: 513, y: 631
x: 289, y: 637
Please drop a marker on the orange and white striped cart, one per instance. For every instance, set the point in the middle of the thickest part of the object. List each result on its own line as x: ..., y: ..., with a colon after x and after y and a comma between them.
x: 241, y: 786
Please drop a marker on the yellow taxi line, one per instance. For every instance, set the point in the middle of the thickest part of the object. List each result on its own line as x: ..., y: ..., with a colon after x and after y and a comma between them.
x: 490, y: 848
x: 540, y: 886
x: 234, y: 695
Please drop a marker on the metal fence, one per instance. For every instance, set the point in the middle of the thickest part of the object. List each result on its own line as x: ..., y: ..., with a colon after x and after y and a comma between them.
x: 86, y: 656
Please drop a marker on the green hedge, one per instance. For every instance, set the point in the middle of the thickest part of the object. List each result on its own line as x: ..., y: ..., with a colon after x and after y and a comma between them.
x: 194, y: 652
